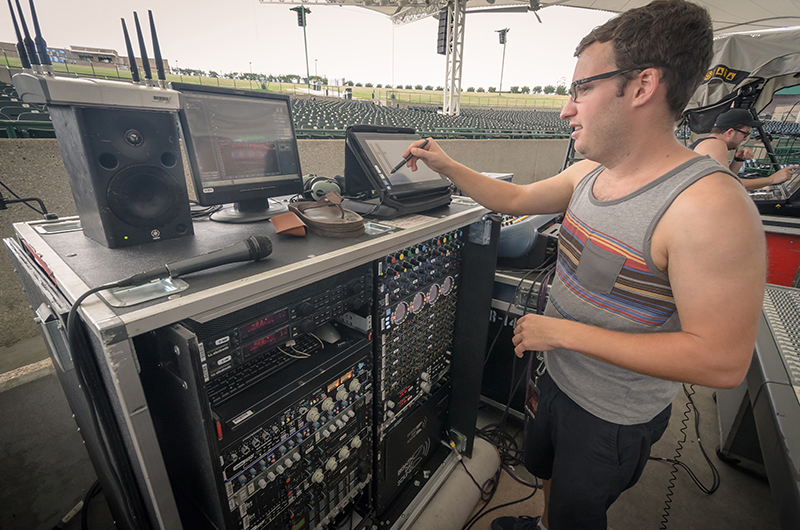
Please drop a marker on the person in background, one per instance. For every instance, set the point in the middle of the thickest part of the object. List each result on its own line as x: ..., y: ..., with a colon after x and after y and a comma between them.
x: 730, y: 130
x: 661, y: 265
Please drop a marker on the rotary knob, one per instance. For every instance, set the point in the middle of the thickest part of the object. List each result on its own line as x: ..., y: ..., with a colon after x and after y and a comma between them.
x: 390, y: 404
x: 306, y: 308
x: 318, y: 476
x: 280, y: 469
x: 341, y: 395
x: 389, y: 414
x: 426, y: 387
x: 288, y: 463
x: 327, y: 404
x: 296, y: 457
x: 262, y: 483
x: 344, y: 452
x: 332, y: 428
x: 424, y: 376
x: 270, y: 476
x: 350, y: 414
x: 355, y: 385
x: 339, y: 423
x: 313, y: 415
x: 326, y: 433
x: 356, y: 442
x: 331, y: 464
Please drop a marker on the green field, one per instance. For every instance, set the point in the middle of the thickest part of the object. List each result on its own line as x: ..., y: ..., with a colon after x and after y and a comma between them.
x: 423, y: 97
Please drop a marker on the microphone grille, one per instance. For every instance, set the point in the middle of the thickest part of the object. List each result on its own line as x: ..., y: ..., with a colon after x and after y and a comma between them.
x: 260, y: 247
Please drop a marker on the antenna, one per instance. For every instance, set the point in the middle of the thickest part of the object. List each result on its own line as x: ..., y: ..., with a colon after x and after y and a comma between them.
x: 41, y: 45
x: 131, y: 57
x: 23, y: 56
x: 142, y: 50
x: 29, y: 47
x: 156, y: 51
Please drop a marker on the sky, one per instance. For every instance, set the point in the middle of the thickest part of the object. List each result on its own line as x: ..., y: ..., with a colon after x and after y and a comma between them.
x: 343, y: 42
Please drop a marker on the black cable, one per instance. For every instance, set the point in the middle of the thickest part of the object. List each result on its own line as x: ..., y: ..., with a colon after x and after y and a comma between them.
x: 111, y: 446
x: 469, y: 524
x: 43, y: 211
x: 94, y: 489
x: 677, y: 463
x: 715, y: 482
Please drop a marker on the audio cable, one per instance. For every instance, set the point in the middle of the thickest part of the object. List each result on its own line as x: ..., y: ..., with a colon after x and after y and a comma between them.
x: 111, y: 448
x: 676, y: 463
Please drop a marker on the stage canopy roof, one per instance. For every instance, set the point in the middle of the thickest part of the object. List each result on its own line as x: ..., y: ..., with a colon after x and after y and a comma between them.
x: 728, y: 15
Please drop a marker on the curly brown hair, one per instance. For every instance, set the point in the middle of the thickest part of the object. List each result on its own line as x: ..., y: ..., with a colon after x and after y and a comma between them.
x: 674, y: 36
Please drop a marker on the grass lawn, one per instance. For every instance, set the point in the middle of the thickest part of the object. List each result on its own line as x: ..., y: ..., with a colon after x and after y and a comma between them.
x: 424, y: 97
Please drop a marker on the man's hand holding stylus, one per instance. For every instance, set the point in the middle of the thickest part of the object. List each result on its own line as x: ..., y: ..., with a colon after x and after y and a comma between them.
x: 432, y: 155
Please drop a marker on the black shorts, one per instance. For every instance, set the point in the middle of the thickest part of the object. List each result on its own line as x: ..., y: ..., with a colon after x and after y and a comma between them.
x: 590, y: 461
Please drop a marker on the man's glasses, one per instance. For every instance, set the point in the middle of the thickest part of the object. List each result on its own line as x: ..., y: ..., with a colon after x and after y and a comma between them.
x: 746, y: 134
x: 573, y: 89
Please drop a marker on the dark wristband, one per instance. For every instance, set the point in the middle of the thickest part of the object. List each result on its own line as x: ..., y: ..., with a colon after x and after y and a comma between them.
x: 737, y: 159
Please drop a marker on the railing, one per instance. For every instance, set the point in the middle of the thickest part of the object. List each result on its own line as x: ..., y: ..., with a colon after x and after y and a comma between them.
x: 13, y: 128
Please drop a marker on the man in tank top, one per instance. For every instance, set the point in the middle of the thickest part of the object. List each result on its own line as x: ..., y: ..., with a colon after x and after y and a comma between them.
x: 731, y: 129
x: 661, y: 264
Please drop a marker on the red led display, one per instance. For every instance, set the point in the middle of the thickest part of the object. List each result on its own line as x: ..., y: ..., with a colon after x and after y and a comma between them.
x: 263, y: 323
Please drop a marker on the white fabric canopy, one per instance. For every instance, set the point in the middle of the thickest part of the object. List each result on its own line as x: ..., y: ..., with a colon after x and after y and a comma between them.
x: 728, y: 15
x: 749, y: 68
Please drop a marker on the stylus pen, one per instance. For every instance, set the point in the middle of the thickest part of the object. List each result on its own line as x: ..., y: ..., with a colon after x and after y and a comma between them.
x: 409, y: 157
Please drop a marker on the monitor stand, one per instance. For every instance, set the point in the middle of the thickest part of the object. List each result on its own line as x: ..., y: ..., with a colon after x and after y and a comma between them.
x: 250, y: 211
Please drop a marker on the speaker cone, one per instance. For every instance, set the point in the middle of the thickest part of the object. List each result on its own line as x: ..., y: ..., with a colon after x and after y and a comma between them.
x: 144, y: 196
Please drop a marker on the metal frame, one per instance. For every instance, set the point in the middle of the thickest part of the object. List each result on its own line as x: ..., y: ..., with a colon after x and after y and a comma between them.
x: 456, y: 17
x: 112, y: 333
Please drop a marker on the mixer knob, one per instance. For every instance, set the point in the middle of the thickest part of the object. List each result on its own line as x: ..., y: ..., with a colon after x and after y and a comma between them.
x: 389, y: 414
x: 270, y: 476
x: 313, y: 415
x: 424, y: 376
x: 306, y: 308
x: 350, y: 414
x: 318, y: 476
x: 390, y: 404
x: 262, y: 483
x: 332, y: 428
x: 426, y: 387
x: 356, y: 442
x: 331, y: 464
x: 344, y: 452
x: 288, y: 462
x: 355, y: 385
x: 327, y: 404
x: 326, y: 433
x: 339, y: 423
x: 341, y: 395
x: 296, y: 457
x: 280, y: 469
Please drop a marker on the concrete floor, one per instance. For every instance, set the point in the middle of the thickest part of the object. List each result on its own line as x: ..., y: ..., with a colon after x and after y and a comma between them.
x: 46, y: 469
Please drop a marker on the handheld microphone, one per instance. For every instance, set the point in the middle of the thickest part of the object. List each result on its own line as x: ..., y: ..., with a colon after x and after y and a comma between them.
x: 251, y: 249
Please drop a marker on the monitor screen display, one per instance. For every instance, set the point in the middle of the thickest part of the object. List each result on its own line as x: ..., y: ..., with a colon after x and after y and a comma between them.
x: 384, y: 151
x: 241, y: 145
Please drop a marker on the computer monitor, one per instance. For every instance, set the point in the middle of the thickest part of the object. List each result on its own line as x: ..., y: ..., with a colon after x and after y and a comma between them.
x: 242, y: 149
x: 382, y: 152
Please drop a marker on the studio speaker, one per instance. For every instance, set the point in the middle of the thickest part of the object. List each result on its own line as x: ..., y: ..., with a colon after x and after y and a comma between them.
x: 126, y: 173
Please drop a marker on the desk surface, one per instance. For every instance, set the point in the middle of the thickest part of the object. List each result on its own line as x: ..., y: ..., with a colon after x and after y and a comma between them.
x: 79, y: 263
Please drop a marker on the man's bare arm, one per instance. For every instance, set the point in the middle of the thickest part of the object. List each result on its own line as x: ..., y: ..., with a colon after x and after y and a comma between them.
x: 717, y: 150
x: 717, y: 266
x: 551, y: 195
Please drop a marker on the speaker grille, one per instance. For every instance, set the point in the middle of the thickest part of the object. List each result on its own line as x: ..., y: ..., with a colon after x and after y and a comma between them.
x: 144, y: 196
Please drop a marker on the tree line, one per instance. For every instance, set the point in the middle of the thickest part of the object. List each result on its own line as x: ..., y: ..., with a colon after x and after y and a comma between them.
x: 559, y: 89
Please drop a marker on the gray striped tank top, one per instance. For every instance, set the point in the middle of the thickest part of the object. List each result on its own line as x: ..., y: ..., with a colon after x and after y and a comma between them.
x: 606, y: 278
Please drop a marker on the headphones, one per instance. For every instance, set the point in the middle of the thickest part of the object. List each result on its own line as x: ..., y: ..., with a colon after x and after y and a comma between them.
x: 315, y: 187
